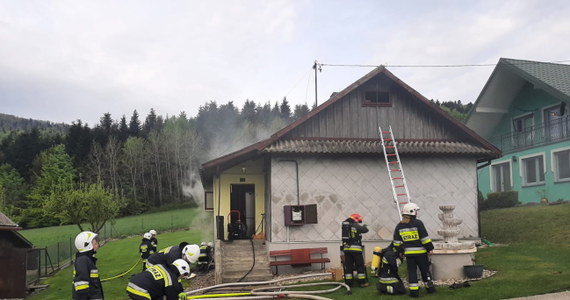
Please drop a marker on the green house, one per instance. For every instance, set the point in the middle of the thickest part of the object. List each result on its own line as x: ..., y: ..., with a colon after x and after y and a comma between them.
x: 523, y: 111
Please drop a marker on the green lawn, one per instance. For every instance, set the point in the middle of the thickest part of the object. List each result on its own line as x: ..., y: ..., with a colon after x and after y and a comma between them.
x: 127, y: 226
x: 114, y: 258
x: 534, y: 260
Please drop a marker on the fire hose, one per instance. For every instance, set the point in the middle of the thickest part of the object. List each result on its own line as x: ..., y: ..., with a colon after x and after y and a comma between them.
x: 122, y: 274
x: 261, y: 294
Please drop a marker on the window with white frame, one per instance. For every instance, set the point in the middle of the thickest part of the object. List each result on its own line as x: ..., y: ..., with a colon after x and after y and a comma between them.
x: 562, y: 165
x: 533, y: 170
x: 501, y: 174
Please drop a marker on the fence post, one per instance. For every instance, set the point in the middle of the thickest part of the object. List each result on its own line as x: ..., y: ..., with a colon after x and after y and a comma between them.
x: 46, y: 259
x: 39, y: 263
x: 58, y: 255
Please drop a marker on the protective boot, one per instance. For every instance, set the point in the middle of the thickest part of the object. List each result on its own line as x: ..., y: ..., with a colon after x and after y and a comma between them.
x: 414, y: 293
x: 430, y: 287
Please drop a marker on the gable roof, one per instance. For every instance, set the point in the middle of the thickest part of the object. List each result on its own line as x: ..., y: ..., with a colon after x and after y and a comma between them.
x: 263, y: 146
x: 504, y: 83
x: 7, y: 224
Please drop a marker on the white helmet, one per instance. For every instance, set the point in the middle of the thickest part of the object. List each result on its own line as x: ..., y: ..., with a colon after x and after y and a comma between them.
x: 182, y: 266
x: 203, y: 244
x: 191, y: 253
x: 84, y: 241
x: 410, y: 209
x: 210, y: 244
x: 147, y: 235
x: 152, y: 231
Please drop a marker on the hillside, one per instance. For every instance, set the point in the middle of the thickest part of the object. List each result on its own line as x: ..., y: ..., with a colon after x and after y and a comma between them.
x: 14, y: 123
x: 547, y: 224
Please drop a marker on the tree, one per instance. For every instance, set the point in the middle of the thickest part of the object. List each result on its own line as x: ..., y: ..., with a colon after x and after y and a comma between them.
x: 14, y: 188
x: 285, y: 109
x: 86, y: 203
x: 56, y: 169
x: 300, y: 111
x: 135, y: 125
x: 123, y: 129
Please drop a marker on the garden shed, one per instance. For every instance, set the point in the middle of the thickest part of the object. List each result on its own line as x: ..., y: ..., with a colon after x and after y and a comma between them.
x: 14, y: 250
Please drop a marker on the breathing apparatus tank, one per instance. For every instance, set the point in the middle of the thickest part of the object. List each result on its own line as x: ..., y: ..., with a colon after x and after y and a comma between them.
x: 376, y: 257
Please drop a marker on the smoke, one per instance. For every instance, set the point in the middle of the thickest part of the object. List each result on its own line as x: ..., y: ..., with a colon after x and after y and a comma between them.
x: 203, y: 220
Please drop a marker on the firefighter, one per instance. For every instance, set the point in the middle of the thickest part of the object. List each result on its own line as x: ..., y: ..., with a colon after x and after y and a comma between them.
x: 146, y: 249
x: 153, y: 240
x: 411, y: 237
x: 389, y: 281
x: 159, y: 281
x: 86, y: 282
x: 352, y: 231
x: 204, y: 258
x: 168, y: 255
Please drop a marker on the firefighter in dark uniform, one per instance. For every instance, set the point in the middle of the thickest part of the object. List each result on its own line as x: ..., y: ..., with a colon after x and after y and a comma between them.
x: 146, y: 249
x: 153, y: 239
x: 389, y: 281
x: 86, y: 282
x: 168, y: 255
x: 204, y: 258
x: 411, y: 237
x: 352, y: 231
x: 159, y: 281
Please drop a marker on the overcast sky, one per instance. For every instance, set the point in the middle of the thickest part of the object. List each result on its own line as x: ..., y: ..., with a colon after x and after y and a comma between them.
x: 67, y: 60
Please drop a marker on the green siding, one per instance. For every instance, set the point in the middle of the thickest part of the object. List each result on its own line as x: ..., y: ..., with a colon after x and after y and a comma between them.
x: 528, y: 100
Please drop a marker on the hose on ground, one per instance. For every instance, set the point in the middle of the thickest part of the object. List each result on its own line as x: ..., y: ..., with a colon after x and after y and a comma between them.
x: 122, y: 274
x: 273, y: 294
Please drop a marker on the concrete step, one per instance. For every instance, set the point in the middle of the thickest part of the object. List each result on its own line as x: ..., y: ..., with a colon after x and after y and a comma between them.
x: 237, y: 258
x: 255, y: 275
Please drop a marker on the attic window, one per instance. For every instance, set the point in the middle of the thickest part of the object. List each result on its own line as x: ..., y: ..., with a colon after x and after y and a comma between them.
x: 376, y: 98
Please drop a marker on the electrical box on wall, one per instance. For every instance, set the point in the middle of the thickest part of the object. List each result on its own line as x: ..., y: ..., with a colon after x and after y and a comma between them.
x: 296, y: 215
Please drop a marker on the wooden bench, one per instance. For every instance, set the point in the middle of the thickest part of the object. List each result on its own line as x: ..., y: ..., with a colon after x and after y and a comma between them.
x: 298, y: 257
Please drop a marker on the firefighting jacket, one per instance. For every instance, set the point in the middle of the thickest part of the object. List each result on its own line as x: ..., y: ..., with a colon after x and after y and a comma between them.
x: 204, y: 254
x: 146, y: 249
x: 412, y: 237
x: 165, y: 256
x: 352, y: 235
x: 388, y: 272
x: 86, y: 282
x: 156, y: 282
x: 154, y: 243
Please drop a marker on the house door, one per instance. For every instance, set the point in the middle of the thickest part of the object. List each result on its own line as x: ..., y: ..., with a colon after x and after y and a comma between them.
x: 242, y: 199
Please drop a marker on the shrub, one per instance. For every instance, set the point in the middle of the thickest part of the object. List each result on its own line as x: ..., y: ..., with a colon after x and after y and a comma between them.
x: 501, y: 200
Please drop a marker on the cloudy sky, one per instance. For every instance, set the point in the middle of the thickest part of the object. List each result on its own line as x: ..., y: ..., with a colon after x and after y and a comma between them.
x: 67, y: 60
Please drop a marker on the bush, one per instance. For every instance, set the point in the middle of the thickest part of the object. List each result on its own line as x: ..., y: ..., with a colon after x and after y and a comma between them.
x: 501, y: 200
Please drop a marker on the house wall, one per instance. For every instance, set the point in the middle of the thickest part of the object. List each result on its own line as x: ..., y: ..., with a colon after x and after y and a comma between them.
x: 253, y: 175
x: 528, y: 100
x: 340, y: 186
x: 550, y: 189
x: 350, y: 117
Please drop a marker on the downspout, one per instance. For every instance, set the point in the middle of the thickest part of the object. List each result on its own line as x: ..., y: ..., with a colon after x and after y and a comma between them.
x: 486, y: 164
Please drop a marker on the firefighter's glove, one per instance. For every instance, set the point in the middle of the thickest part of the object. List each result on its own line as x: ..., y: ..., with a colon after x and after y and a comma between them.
x: 182, y: 296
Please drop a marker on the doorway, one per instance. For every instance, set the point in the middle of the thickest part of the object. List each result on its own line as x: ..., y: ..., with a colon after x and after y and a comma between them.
x: 242, y: 199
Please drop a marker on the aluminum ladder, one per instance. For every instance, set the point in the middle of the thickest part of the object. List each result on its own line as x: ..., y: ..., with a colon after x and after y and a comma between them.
x: 400, y: 192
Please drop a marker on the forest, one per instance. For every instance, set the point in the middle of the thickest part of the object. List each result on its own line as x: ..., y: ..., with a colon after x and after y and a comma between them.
x: 53, y: 174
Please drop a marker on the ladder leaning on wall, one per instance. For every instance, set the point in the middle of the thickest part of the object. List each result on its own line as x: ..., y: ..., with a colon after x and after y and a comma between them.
x: 400, y: 192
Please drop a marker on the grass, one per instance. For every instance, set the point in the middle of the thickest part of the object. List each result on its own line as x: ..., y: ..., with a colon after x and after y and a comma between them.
x: 127, y: 226
x: 114, y: 258
x: 542, y: 223
x: 535, y: 261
